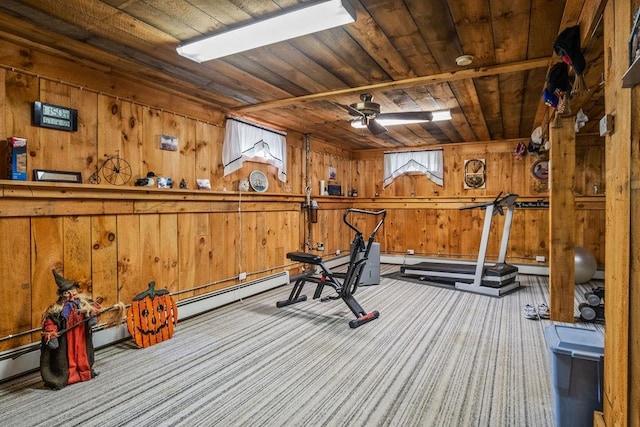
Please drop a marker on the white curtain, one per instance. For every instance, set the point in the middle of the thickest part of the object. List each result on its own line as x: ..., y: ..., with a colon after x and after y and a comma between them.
x: 428, y: 162
x: 243, y: 141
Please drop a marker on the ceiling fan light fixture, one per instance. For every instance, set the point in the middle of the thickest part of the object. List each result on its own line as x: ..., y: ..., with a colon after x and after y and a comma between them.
x: 296, y: 22
x: 359, y: 123
x: 464, y: 60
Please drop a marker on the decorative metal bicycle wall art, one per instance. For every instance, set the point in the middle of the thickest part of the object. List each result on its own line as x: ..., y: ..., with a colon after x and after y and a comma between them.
x: 115, y: 170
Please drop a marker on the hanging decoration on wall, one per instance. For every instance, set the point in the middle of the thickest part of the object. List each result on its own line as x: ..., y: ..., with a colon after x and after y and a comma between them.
x: 558, y: 90
x: 519, y: 151
x: 168, y: 142
x: 567, y: 47
x: 258, y: 181
x: 474, y: 173
x: 540, y: 170
x: 152, y: 316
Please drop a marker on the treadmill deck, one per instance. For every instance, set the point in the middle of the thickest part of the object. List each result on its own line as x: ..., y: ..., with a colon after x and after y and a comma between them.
x: 494, y: 276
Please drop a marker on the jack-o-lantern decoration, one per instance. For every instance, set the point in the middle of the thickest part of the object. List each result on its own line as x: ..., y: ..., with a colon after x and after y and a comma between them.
x: 152, y: 316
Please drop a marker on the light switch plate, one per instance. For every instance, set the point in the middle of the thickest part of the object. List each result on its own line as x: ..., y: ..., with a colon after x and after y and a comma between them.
x: 606, y: 125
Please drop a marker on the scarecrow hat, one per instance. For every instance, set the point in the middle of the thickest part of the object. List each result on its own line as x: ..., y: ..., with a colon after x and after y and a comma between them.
x: 567, y: 46
x: 64, y: 284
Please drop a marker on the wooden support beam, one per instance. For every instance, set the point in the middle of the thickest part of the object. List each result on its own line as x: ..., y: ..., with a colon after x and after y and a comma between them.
x: 471, y: 73
x: 562, y: 225
x: 622, y: 273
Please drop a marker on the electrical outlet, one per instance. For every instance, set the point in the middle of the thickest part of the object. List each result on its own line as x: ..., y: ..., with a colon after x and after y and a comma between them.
x: 337, y: 251
x: 242, y: 276
x: 410, y: 252
x: 540, y: 258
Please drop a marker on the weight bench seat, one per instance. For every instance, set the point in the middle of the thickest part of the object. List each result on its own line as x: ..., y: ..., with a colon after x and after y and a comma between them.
x: 305, y: 258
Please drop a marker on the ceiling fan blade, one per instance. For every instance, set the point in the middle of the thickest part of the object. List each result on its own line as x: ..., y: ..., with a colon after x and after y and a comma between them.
x: 350, y: 109
x: 375, y: 127
x: 418, y: 116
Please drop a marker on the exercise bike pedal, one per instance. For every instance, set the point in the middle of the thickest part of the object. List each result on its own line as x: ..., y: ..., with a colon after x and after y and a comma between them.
x: 363, y: 319
x: 287, y: 302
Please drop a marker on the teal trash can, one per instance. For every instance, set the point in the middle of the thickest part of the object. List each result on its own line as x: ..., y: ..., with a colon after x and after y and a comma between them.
x: 576, y: 357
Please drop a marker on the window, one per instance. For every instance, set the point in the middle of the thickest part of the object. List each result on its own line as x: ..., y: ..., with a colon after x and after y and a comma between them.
x: 247, y: 141
x: 427, y: 162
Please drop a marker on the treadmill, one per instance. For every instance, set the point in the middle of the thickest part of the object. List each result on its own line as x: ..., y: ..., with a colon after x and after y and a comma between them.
x: 494, y: 280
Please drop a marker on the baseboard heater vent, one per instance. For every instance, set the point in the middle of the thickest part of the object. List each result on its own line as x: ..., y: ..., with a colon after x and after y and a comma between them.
x: 193, y: 306
x: 25, y: 359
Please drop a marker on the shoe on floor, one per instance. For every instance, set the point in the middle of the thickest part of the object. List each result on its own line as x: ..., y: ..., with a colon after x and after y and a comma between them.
x: 530, y: 312
x: 543, y: 311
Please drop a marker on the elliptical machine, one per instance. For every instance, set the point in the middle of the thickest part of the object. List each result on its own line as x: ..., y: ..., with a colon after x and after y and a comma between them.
x: 344, y: 285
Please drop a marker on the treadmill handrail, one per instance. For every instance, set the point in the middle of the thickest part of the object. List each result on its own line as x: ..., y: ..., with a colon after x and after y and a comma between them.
x: 508, y: 200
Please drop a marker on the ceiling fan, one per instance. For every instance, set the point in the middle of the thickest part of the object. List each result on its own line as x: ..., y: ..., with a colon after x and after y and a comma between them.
x: 368, y: 115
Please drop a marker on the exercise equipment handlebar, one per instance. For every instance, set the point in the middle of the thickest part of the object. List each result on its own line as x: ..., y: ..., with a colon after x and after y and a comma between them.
x: 507, y: 200
x: 382, y: 212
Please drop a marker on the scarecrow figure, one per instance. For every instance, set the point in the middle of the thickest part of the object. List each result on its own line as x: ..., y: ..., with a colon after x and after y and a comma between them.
x: 567, y: 47
x: 557, y: 94
x: 558, y: 90
x: 67, y: 353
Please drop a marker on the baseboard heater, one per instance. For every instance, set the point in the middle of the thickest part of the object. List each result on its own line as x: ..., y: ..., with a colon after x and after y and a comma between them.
x: 193, y: 306
x: 26, y: 358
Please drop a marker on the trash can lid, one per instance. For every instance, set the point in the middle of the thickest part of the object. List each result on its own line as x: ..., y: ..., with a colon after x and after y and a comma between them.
x: 582, y: 343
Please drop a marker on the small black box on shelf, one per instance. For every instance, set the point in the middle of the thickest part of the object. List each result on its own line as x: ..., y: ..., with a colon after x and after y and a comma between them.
x: 334, y: 190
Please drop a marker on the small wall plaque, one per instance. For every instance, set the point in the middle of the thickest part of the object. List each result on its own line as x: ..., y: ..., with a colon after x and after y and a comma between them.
x: 55, y: 117
x: 474, y: 173
x: 57, y: 176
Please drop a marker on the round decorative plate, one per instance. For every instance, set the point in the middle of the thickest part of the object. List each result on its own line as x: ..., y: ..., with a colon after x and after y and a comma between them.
x: 258, y: 181
x: 540, y: 170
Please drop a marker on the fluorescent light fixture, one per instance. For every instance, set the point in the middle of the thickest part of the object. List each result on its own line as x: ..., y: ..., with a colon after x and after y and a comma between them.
x: 391, y: 119
x: 441, y: 115
x: 306, y: 19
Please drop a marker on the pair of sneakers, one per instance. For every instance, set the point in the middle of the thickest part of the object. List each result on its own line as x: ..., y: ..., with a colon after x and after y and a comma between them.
x: 535, y: 313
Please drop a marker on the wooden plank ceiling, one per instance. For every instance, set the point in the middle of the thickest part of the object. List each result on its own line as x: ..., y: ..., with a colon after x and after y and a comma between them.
x: 401, y: 51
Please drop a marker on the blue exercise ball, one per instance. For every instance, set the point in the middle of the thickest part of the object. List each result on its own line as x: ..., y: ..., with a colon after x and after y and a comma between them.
x: 586, y: 265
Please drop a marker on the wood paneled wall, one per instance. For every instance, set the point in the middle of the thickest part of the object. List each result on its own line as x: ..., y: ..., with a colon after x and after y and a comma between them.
x: 189, y: 245
x: 504, y: 172
x: 116, y: 239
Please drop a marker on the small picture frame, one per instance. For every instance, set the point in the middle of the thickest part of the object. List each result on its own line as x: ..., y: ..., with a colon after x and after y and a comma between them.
x: 333, y: 174
x: 168, y: 142
x: 57, y: 176
x: 203, y: 184
x: 165, y: 182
